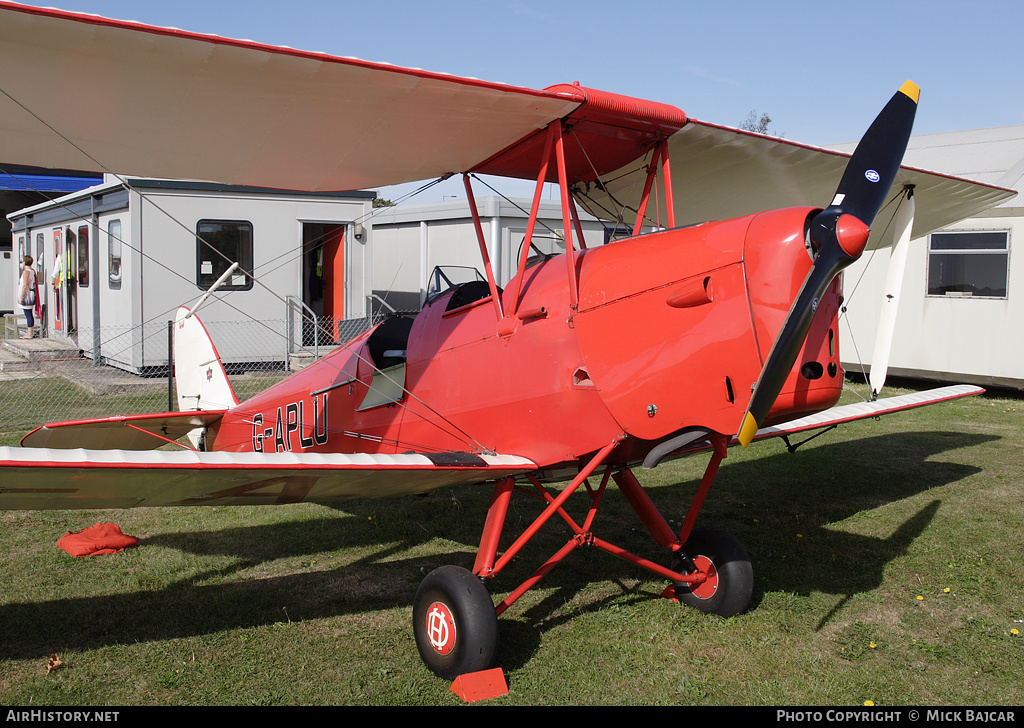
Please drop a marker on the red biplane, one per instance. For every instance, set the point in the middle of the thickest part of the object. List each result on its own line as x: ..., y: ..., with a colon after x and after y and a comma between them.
x: 696, y: 336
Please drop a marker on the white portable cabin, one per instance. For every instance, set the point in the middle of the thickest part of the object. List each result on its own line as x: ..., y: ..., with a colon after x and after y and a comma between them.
x: 134, y: 250
x: 962, y: 300
x: 409, y: 241
x: 20, y: 187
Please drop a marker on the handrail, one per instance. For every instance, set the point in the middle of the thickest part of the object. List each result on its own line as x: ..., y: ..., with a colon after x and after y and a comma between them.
x: 383, y: 302
x: 290, y: 302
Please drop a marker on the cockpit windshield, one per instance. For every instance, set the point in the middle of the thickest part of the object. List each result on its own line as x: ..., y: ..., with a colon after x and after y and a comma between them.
x: 446, y: 277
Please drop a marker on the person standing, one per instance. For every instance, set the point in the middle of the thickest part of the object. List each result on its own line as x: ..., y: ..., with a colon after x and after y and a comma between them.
x: 28, y: 295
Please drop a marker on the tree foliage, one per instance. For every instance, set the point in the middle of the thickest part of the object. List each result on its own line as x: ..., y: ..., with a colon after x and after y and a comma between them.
x: 758, y: 124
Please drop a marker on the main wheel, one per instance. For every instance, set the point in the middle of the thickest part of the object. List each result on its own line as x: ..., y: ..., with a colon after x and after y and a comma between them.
x: 730, y: 578
x: 455, y: 623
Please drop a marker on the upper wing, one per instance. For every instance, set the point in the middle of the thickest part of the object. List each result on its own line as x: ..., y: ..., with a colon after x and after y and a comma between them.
x: 84, y: 92
x: 719, y: 173
x: 134, y: 99
x: 37, y: 478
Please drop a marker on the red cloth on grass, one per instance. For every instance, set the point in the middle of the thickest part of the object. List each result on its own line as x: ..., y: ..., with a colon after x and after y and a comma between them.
x: 103, y: 538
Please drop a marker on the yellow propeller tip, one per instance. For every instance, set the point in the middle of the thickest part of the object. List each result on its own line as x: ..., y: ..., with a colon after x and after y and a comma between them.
x: 912, y: 90
x: 748, y: 430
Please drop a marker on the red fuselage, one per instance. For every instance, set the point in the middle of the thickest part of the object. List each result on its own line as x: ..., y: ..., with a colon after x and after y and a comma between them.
x: 670, y: 333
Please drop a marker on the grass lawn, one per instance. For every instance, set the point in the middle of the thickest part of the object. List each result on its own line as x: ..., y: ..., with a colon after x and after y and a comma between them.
x: 886, y: 554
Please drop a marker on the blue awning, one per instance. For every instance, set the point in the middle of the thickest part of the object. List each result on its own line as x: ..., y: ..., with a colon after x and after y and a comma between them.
x: 28, y: 179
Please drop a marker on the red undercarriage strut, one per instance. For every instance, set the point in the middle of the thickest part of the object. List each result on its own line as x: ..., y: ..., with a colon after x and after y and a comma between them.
x: 488, y: 564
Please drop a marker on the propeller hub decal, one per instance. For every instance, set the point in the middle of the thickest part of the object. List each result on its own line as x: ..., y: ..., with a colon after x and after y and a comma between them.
x: 872, y: 176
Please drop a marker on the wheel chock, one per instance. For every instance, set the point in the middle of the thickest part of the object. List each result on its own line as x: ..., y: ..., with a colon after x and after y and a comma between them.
x: 483, y: 685
x: 670, y: 593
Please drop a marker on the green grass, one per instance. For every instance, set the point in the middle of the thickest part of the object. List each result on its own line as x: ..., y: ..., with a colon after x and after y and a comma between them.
x: 27, y: 403
x: 887, y: 561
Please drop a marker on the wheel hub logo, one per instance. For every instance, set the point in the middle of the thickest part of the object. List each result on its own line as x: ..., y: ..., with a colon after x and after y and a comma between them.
x: 441, y: 628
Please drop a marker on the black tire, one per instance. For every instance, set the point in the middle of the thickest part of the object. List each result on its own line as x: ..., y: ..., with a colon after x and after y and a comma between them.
x: 455, y: 624
x: 730, y: 583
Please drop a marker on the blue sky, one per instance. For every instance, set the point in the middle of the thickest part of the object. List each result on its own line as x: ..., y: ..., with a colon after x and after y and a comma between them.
x: 821, y: 70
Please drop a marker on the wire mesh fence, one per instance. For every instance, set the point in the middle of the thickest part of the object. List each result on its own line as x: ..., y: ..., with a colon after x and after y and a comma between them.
x: 114, y: 371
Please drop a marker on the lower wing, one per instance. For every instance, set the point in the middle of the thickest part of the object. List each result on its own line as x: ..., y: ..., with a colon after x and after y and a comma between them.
x: 43, y: 478
x: 863, y: 410
x: 47, y: 478
x: 697, y: 440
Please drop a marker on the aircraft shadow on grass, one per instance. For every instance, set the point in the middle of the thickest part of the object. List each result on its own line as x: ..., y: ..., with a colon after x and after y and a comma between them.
x: 764, y: 502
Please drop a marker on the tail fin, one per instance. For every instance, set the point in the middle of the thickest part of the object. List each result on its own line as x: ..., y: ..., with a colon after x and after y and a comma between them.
x: 199, y: 374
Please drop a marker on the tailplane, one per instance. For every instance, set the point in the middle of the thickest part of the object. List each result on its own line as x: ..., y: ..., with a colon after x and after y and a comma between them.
x: 201, y: 381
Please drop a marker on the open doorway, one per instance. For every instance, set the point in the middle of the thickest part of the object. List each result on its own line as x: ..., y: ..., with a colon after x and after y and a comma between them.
x: 323, y: 281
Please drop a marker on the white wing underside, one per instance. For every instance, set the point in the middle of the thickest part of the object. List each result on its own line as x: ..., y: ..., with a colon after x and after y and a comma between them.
x: 719, y: 173
x: 83, y: 92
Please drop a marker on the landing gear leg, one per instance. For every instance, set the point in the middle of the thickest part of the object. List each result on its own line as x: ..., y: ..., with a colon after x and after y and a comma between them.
x: 454, y: 619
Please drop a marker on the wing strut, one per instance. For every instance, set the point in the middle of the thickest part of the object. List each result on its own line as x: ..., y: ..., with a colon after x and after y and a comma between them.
x: 660, y: 157
x: 893, y: 285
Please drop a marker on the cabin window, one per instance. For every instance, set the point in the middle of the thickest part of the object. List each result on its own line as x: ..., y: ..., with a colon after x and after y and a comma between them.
x: 219, y: 243
x: 39, y: 255
x: 114, y: 254
x: 969, y: 263
x: 83, y: 256
x: 21, y: 247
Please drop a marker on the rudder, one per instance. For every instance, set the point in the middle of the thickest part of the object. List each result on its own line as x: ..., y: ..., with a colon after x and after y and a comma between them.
x: 201, y: 381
